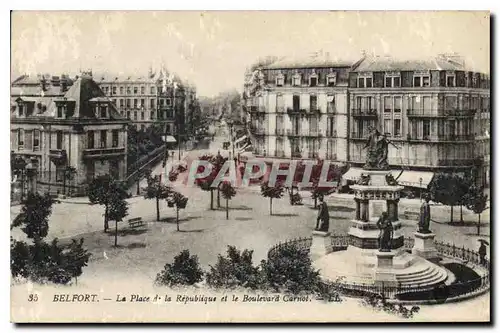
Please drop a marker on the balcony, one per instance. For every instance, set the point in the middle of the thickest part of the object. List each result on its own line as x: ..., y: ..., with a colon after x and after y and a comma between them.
x: 441, y: 113
x: 280, y: 131
x: 331, y: 134
x: 292, y: 111
x: 369, y: 113
x: 293, y: 133
x: 280, y: 153
x: 359, y: 136
x: 441, y: 138
x: 103, y: 152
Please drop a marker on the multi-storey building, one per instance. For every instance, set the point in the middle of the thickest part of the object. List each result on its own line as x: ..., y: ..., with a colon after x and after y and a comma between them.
x: 57, y: 122
x: 434, y: 111
x: 300, y: 109
x: 149, y: 99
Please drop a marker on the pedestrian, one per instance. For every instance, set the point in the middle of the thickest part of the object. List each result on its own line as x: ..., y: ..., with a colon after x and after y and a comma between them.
x: 323, y: 216
x: 482, y: 253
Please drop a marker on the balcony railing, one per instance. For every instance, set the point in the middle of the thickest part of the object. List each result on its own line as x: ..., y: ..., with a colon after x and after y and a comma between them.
x: 280, y: 131
x: 103, y: 152
x: 280, y: 153
x: 440, y: 113
x: 441, y: 138
x: 372, y: 113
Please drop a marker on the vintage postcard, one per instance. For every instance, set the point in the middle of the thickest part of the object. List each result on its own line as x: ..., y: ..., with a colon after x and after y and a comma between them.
x: 243, y: 167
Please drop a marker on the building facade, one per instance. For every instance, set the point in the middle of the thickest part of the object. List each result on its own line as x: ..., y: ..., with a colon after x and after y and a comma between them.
x: 149, y: 99
x: 299, y: 110
x: 58, y: 122
x: 434, y: 111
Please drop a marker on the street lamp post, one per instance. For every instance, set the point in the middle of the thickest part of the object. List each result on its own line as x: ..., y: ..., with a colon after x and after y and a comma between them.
x: 420, y: 180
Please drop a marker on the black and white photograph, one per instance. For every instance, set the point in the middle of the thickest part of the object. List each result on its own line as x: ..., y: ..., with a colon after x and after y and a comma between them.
x: 250, y: 167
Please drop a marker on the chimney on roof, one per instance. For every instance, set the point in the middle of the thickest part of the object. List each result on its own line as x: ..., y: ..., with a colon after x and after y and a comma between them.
x: 64, y: 83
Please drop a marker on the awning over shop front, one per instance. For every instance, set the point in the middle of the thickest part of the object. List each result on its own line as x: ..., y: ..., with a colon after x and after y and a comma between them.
x: 352, y: 174
x: 420, y: 179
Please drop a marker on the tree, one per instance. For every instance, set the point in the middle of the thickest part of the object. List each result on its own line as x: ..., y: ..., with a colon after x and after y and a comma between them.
x: 118, y: 209
x: 185, y: 270
x: 101, y: 189
x: 179, y: 201
x: 446, y: 188
x: 77, y: 257
x: 476, y: 202
x: 275, y: 192
x: 156, y: 190
x: 228, y: 192
x: 34, y: 216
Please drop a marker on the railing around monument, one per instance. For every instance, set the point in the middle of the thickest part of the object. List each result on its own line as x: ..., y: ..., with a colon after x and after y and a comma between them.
x: 459, y: 290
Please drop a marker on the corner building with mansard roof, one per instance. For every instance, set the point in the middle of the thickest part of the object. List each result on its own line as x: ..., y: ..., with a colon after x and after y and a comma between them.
x: 59, y: 122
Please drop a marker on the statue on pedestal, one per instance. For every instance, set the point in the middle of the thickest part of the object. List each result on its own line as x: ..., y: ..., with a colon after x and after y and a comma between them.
x: 378, y: 148
x: 425, y: 217
x: 323, y: 220
x: 386, y: 233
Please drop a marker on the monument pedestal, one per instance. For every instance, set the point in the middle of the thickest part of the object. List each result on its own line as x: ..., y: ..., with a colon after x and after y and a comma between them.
x: 321, y: 244
x: 384, y: 272
x: 424, y: 246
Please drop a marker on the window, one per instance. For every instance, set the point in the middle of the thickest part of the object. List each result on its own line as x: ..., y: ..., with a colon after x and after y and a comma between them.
x: 426, y: 129
x: 387, y: 104
x: 136, y: 90
x: 143, y: 90
x: 369, y: 82
x: 36, y: 140
x: 296, y: 80
x: 280, y: 80
x: 142, y: 115
x: 115, y: 138
x: 450, y: 80
x: 417, y: 81
x: 313, y: 81
x: 397, y: 127
x: 135, y: 103
x: 60, y: 110
x: 152, y: 90
x: 103, y: 111
x: 21, y: 110
x: 104, y: 135
x: 121, y: 90
x: 387, y: 126
x: 20, y: 139
x: 59, y: 139
x: 90, y: 140
x: 152, y: 103
x: 397, y: 104
x: 426, y: 81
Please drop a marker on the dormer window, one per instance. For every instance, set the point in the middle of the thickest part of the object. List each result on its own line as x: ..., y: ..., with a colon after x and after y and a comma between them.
x: 332, y: 79
x: 280, y: 80
x: 313, y: 79
x: 297, y: 79
x: 450, y: 79
x: 392, y: 79
x: 103, y: 111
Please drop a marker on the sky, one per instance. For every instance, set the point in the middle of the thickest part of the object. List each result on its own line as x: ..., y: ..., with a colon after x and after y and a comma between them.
x: 212, y: 49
